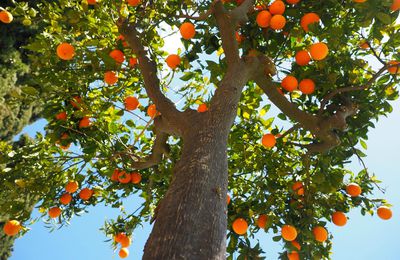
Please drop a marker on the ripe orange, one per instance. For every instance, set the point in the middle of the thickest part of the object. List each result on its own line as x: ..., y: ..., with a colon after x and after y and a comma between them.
x: 85, y: 194
x: 6, y: 17
x: 353, y: 189
x: 240, y: 226
x: 319, y: 51
x: 131, y: 103
x: 308, y: 19
x: 125, y: 241
x: 114, y: 176
x: 384, y: 212
x: 76, y: 102
x: 228, y: 199
x: 307, y: 86
x: 288, y: 232
x: 123, y: 253
x: 364, y: 45
x: 65, y: 51
x: 110, y: 77
x: 72, y: 187
x: 289, y: 83
x: 187, y: 31
x: 302, y: 58
x: 339, y: 218
x: 119, y: 237
x: 61, y: 116
x: 133, y: 61
x: 133, y: 2
x: 85, y: 122
x: 394, y: 69
x: 320, y: 234
x: 263, y: 19
x: 65, y: 198
x: 296, y: 244
x: 92, y: 2
x: 277, y: 22
x: 292, y: 2
x: 152, y: 111
x: 173, y: 61
x: 395, y: 5
x: 268, y: 140
x: 117, y: 55
x: 262, y: 221
x: 294, y: 255
x: 239, y: 37
x: 124, y: 177
x: 297, y: 187
x: 12, y: 227
x: 360, y: 1
x: 202, y: 108
x: 54, y: 212
x: 136, y: 177
x: 277, y: 7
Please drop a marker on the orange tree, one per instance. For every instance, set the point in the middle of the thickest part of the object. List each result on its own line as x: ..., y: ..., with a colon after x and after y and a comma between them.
x: 185, y: 129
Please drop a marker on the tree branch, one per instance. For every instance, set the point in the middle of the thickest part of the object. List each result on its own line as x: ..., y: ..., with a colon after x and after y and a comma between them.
x: 202, y: 16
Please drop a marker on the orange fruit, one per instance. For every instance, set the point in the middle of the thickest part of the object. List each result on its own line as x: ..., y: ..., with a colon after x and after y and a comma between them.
x: 292, y: 2
x: 110, y: 77
x: 262, y: 221
x: 319, y: 51
x: 239, y: 37
x: 288, y: 232
x: 394, y: 69
x: 384, y: 212
x: 202, y: 108
x: 268, y: 140
x: 85, y: 194
x: 277, y: 7
x: 123, y: 253
x: 12, y: 227
x: 307, y: 86
x: 117, y: 55
x: 6, y: 17
x: 136, y: 177
x: 395, y: 5
x: 114, y: 176
x: 173, y: 61
x: 263, y: 19
x: 134, y: 2
x: 64, y: 136
x: 277, y: 22
x: 125, y: 241
x: 296, y: 244
x: 119, y: 237
x: 85, y: 122
x: 302, y: 58
x: 294, y: 255
x: 308, y: 19
x: 75, y: 102
x: 124, y: 177
x: 133, y: 61
x: 353, y: 189
x: 360, y: 1
x: 54, y: 212
x: 131, y: 103
x: 240, y: 226
x: 187, y: 31
x: 65, y: 198
x: 364, y: 45
x: 228, y: 199
x: 61, y: 116
x: 320, y: 234
x: 65, y: 51
x: 71, y: 186
x: 298, y: 188
x: 339, y: 218
x: 92, y: 2
x: 289, y: 83
x: 152, y: 111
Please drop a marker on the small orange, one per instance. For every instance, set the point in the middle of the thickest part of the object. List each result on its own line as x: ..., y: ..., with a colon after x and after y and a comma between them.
x: 62, y: 116
x: 292, y: 2
x: 152, y: 111
x: 117, y: 55
x: 263, y: 19
x: 268, y: 140
x: 6, y: 17
x: 320, y: 234
x: 302, y: 58
x: 119, y: 237
x: 202, y: 108
x: 298, y: 188
x: 353, y: 189
x: 76, y: 102
x: 308, y: 19
x: 277, y: 7
x: 85, y: 194
x: 307, y: 86
x: 65, y: 198
x: 92, y: 2
x: 125, y: 241
x: 173, y: 61
x: 288, y: 232
x: 319, y: 51
x: 71, y: 186
x: 136, y: 177
x: 134, y: 2
x: 384, y: 212
x: 289, y: 83
x: 123, y: 253
x: 395, y: 5
x: 240, y: 226
x: 54, y: 212
x: 114, y: 176
x: 360, y: 1
x: 133, y: 61
x: 85, y: 122
x: 65, y: 51
x: 394, y: 69
x: 64, y: 136
x: 262, y: 221
x: 294, y: 255
x: 364, y: 45
x: 228, y: 199
x: 124, y: 177
x: 239, y: 37
x: 277, y: 22
x: 110, y: 77
x: 187, y: 31
x: 296, y: 244
x: 339, y: 218
x: 131, y: 103
x: 12, y: 227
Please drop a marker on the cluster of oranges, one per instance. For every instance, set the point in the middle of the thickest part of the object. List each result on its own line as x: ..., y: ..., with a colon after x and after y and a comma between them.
x: 125, y: 241
x: 124, y: 177
x: 273, y: 17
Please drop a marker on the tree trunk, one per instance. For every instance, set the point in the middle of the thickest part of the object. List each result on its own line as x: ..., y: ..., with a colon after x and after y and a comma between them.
x: 191, y: 219
x: 6, y: 244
